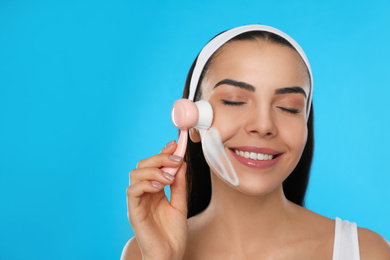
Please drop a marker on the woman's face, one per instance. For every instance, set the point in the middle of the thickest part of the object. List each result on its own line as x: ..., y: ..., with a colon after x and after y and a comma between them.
x: 258, y: 91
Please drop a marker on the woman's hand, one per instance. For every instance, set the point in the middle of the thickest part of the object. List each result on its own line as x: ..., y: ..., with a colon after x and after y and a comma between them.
x: 160, y: 226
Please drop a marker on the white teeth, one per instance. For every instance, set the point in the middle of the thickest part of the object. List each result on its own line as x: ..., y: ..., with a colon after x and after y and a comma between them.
x: 255, y: 156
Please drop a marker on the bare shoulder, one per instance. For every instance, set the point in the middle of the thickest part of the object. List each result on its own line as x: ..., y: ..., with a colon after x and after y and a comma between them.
x: 131, y: 250
x: 310, y: 220
x: 372, y: 245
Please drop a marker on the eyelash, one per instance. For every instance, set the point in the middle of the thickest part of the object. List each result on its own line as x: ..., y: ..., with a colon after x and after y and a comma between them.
x: 290, y: 110
x: 232, y: 103
x: 235, y: 103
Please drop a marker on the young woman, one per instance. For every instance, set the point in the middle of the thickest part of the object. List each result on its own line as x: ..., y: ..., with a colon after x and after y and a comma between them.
x: 239, y: 191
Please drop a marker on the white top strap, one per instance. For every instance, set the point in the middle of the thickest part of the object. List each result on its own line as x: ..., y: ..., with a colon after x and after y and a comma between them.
x: 346, y: 243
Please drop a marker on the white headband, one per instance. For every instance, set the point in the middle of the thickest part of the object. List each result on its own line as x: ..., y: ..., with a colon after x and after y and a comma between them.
x: 222, y: 38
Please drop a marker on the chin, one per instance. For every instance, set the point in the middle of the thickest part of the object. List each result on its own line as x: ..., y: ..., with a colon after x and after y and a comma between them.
x: 258, y: 186
x: 254, y: 184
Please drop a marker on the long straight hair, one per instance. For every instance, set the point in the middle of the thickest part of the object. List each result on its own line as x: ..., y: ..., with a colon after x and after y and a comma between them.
x: 198, y: 171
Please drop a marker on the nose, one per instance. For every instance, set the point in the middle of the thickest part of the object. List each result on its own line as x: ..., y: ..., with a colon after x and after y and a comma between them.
x: 261, y: 122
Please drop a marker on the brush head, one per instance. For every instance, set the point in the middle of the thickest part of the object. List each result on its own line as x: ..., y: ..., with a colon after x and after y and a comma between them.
x: 205, y: 111
x: 187, y: 114
x: 184, y: 114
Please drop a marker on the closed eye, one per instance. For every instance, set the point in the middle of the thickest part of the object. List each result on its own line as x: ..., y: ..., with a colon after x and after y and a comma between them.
x: 232, y: 103
x: 290, y: 110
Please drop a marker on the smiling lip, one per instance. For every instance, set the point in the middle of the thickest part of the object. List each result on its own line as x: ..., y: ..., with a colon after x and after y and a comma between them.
x: 259, y: 164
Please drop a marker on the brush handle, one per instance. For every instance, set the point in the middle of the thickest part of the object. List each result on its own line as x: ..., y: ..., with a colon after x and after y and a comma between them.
x: 180, y: 151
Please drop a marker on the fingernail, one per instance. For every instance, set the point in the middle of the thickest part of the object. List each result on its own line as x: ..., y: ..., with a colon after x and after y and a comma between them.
x: 157, y: 185
x: 170, y: 143
x: 175, y: 158
x: 168, y: 176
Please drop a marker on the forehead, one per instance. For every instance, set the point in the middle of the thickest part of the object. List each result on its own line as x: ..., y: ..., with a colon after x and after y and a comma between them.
x: 259, y: 63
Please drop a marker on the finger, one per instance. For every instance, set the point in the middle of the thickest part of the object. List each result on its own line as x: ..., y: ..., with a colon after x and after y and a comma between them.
x: 134, y: 192
x: 178, y: 190
x: 160, y: 160
x: 170, y: 147
x: 150, y: 174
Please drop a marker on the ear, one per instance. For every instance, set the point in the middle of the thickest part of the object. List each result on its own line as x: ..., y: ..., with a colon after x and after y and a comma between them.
x: 194, y: 135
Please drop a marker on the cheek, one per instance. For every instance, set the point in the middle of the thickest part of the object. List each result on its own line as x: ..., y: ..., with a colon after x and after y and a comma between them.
x: 295, y: 136
x: 226, y: 121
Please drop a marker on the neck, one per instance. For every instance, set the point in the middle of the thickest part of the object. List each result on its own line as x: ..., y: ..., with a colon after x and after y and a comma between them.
x: 247, y: 218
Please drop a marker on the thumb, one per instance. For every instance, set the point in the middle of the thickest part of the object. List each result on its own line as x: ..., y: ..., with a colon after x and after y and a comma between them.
x: 178, y: 190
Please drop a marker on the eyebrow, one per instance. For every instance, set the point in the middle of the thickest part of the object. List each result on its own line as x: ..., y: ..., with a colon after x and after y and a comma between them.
x: 290, y: 90
x: 234, y: 83
x: 251, y: 88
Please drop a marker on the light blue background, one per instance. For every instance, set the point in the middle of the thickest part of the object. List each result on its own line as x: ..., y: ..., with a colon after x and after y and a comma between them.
x: 86, y: 89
